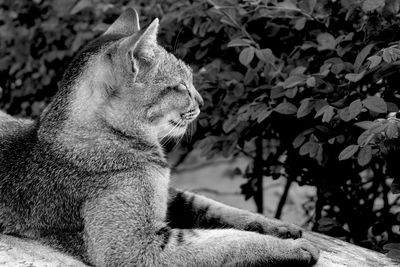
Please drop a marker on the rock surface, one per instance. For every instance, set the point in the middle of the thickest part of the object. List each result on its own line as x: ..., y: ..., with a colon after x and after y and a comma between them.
x: 337, y: 253
x: 17, y: 252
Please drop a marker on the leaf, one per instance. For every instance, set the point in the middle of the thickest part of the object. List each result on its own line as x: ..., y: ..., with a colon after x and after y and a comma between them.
x: 265, y: 55
x: 263, y: 115
x: 62, y: 7
x: 375, y: 104
x: 395, y: 186
x: 239, y: 42
x: 348, y: 152
x: 286, y: 108
x: 379, y: 127
x: 305, y: 108
x: 288, y: 4
x: 392, y: 6
x: 298, y: 141
x: 327, y: 112
x: 386, y: 55
x: 229, y: 22
x: 319, y: 156
x: 361, y: 56
x: 246, y: 56
x: 291, y: 92
x: 374, y: 61
x: 310, y: 148
x: 324, y: 69
x: 311, y: 82
x: 292, y: 81
x: 277, y: 92
x: 300, y: 23
x: 392, y: 246
x: 366, y: 125
x: 81, y: 5
x: 307, y: 5
x: 321, y: 111
x: 355, y: 108
x: 338, y: 68
x: 371, y: 5
x: 392, y: 131
x: 230, y: 124
x: 326, y: 41
x: 354, y: 77
x: 365, y: 137
x: 298, y: 71
x: 364, y: 156
x: 320, y: 103
x: 392, y: 107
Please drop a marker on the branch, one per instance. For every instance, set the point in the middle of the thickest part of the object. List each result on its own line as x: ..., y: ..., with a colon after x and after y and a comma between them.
x: 282, y: 201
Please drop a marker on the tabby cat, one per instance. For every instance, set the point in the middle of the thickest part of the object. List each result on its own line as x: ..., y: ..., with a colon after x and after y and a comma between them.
x: 90, y: 177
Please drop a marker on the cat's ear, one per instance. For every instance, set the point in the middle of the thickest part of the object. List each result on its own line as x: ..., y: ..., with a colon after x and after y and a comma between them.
x: 142, y: 45
x: 126, y: 24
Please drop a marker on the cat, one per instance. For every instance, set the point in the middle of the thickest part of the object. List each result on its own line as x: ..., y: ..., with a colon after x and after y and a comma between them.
x: 90, y: 177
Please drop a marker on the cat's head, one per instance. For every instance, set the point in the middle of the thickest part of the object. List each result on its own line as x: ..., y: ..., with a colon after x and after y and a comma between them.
x: 125, y: 80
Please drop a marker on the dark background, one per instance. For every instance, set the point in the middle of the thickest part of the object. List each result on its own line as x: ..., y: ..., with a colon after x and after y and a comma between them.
x: 305, y: 90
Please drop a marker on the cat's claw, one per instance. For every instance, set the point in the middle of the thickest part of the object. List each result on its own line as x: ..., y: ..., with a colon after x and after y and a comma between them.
x: 289, y: 231
x: 307, y: 254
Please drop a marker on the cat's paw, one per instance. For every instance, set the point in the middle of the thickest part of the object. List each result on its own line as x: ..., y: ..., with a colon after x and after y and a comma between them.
x: 289, y: 231
x: 305, y: 253
x: 274, y: 227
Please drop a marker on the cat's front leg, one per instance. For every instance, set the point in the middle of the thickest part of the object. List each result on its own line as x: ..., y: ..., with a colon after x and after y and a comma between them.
x: 189, y: 210
x: 264, y: 225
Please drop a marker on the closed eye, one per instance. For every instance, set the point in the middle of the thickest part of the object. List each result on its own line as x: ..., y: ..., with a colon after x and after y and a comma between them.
x: 182, y: 87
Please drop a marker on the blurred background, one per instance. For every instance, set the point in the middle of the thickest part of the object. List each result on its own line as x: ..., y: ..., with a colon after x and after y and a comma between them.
x: 301, y: 100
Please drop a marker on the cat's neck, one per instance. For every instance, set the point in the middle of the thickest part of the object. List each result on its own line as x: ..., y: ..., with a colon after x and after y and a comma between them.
x: 95, y: 145
x: 99, y: 150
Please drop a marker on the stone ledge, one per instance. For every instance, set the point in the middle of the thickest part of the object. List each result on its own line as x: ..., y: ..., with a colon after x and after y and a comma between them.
x: 18, y: 252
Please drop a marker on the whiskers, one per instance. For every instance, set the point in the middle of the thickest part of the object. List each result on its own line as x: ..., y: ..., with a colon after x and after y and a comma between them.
x: 189, y: 132
x: 166, y: 138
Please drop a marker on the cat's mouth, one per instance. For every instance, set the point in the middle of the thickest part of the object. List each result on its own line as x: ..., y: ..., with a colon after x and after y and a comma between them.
x: 180, y: 123
x: 185, y: 118
x: 190, y: 115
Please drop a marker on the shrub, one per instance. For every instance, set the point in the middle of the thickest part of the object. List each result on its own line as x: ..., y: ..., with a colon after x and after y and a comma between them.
x: 309, y: 91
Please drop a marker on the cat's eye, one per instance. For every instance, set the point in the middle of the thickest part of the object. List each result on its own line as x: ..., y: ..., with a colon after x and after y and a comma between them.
x: 181, y: 87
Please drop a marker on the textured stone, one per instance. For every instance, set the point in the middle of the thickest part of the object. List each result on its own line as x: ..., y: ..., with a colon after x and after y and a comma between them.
x: 18, y: 252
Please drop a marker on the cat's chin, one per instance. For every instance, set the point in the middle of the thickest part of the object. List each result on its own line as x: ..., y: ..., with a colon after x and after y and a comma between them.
x: 171, y: 131
x: 177, y: 131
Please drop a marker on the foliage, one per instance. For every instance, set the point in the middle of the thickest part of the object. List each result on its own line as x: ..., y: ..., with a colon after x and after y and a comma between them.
x: 306, y: 89
x: 38, y: 39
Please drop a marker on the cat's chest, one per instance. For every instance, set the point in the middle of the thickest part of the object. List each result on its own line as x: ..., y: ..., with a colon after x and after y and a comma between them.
x: 160, y: 183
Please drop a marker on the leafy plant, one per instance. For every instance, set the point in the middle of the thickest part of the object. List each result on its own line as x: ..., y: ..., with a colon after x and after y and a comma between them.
x: 307, y: 90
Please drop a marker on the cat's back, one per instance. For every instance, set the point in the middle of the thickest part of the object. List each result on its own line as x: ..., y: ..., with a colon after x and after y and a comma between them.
x: 10, y: 126
x: 17, y: 138
x: 13, y: 132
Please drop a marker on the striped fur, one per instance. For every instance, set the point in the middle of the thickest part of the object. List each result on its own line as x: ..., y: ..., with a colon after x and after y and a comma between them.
x: 90, y: 177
